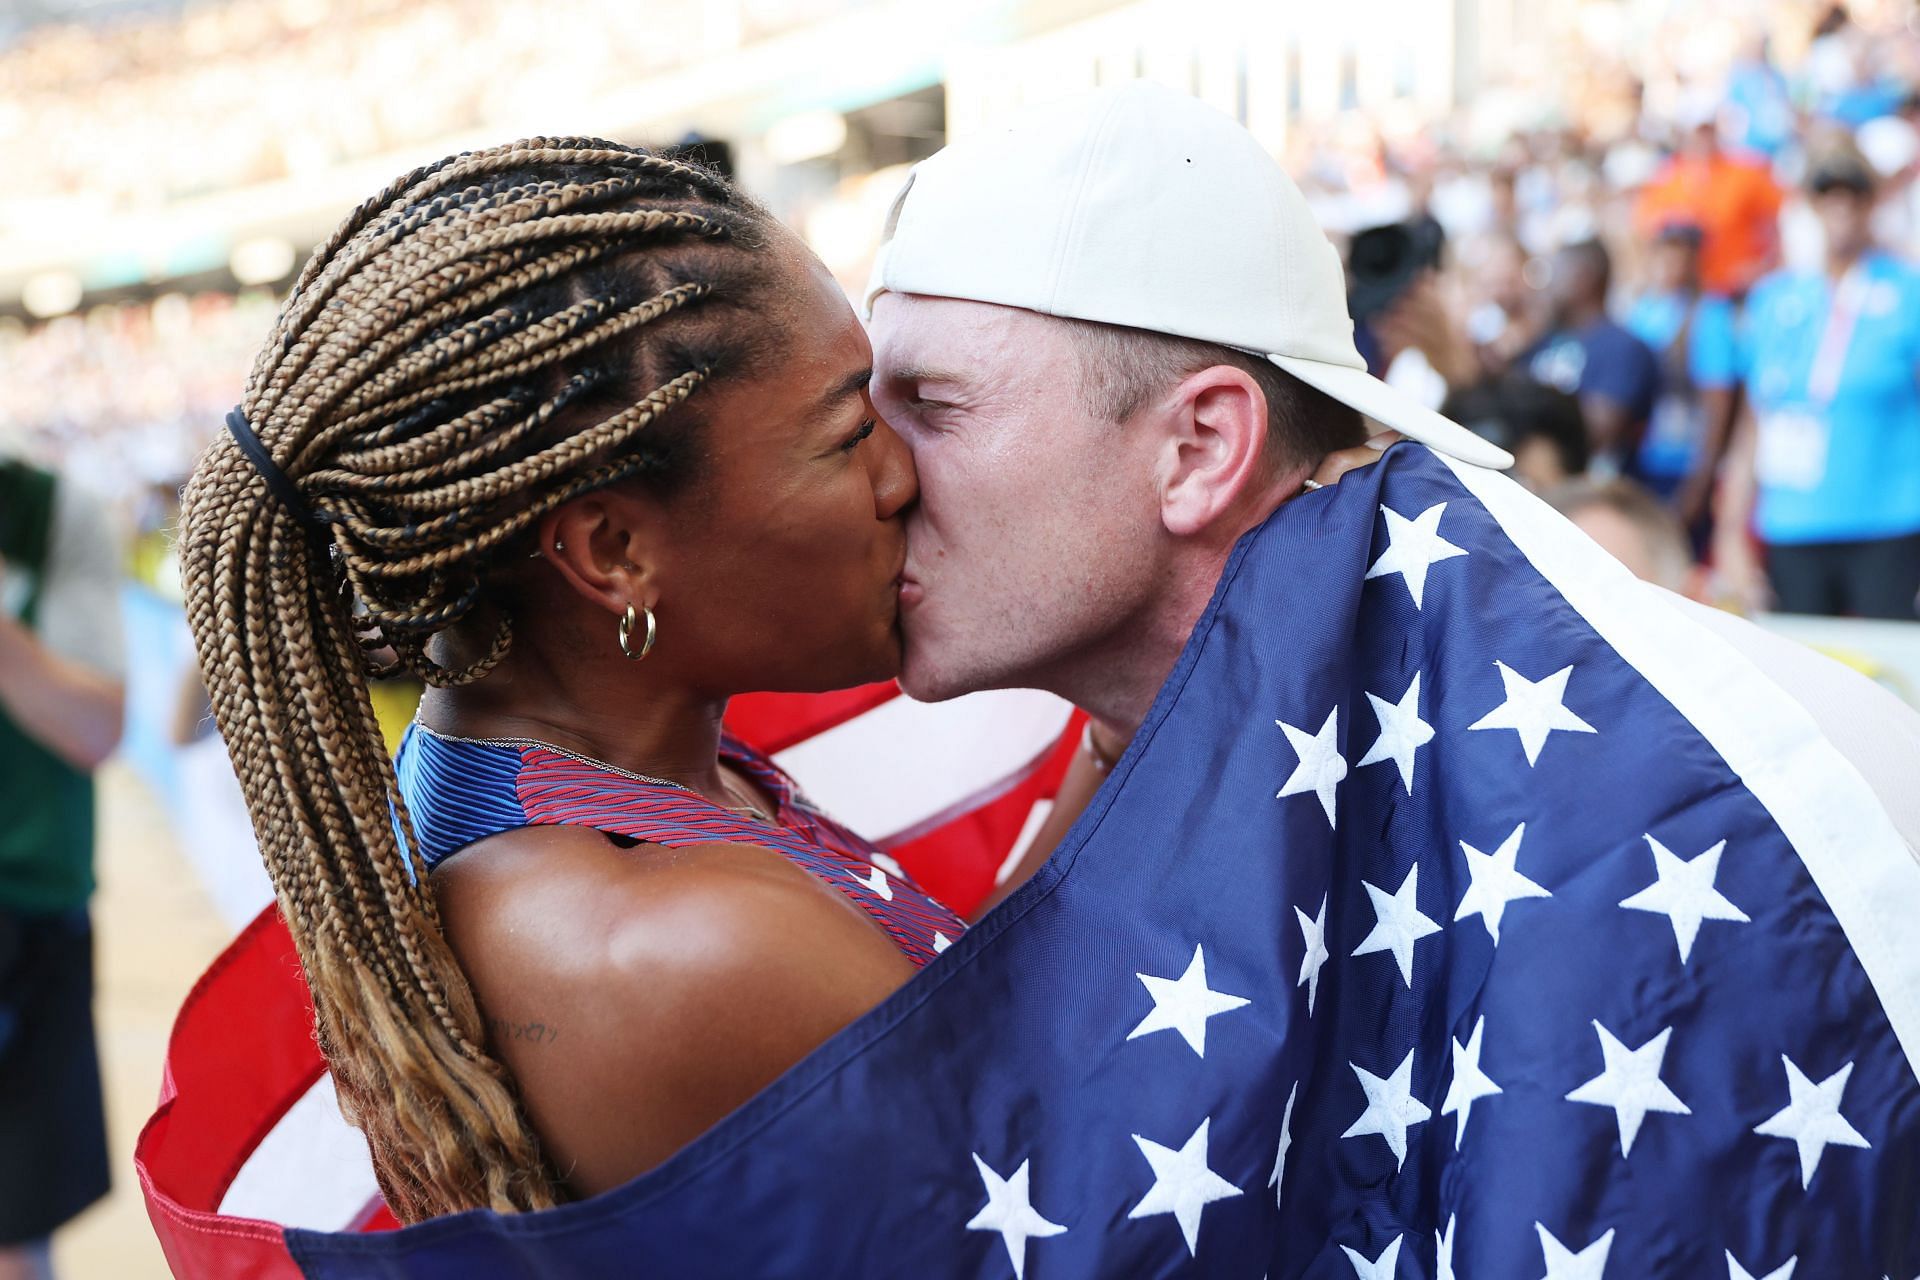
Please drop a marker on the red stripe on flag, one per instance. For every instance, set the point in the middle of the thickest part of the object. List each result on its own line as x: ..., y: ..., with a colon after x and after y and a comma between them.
x: 775, y: 721
x: 956, y: 861
x: 213, y: 1111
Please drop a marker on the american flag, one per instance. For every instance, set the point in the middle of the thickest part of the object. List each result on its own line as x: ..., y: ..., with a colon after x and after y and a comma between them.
x: 1462, y: 909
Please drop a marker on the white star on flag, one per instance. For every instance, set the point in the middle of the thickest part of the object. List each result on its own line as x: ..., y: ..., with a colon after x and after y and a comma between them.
x: 1564, y: 1264
x: 1391, y: 1107
x: 1381, y: 1268
x: 876, y: 880
x: 1402, y: 732
x: 1469, y: 1083
x: 1496, y: 882
x: 1443, y: 1250
x: 1812, y: 1120
x: 1533, y: 709
x: 1412, y: 546
x: 940, y: 942
x: 1286, y: 1141
x: 1184, y: 1004
x: 1010, y: 1211
x: 1398, y: 923
x: 1182, y: 1184
x: 1314, y: 932
x: 1782, y: 1272
x: 887, y: 863
x: 1631, y: 1084
x: 1321, y: 765
x: 1684, y: 893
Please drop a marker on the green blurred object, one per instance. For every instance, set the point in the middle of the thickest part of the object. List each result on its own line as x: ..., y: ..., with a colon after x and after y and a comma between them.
x: 26, y: 514
x: 46, y: 840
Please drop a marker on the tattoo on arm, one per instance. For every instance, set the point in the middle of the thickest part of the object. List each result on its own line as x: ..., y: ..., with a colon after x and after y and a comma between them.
x: 505, y: 1029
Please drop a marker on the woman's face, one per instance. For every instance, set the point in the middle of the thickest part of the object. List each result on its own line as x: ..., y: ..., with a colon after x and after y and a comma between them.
x: 778, y: 568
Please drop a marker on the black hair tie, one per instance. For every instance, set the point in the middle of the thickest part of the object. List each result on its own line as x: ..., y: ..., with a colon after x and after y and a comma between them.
x: 242, y: 432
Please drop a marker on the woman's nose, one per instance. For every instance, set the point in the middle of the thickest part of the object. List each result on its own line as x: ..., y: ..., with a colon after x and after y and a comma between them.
x: 896, y: 483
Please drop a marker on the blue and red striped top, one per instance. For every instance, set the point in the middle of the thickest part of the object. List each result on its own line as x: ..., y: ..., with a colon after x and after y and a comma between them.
x: 461, y: 790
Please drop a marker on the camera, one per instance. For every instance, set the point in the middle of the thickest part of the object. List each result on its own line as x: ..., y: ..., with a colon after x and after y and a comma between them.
x: 1383, y: 261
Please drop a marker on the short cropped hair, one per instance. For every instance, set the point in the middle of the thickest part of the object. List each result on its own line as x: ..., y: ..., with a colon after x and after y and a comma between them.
x: 1121, y: 369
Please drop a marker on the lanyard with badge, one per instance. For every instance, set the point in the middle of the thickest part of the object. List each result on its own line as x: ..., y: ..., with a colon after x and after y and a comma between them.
x: 1792, y: 451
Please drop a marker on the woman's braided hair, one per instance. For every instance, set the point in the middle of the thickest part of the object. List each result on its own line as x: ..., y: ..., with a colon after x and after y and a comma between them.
x: 487, y: 338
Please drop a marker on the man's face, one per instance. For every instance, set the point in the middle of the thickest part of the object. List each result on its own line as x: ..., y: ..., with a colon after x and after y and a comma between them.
x: 1570, y: 283
x: 1846, y: 217
x: 1038, y: 533
x: 1702, y: 142
x: 1675, y: 265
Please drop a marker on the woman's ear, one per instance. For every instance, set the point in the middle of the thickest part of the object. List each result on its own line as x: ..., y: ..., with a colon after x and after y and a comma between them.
x: 606, y: 547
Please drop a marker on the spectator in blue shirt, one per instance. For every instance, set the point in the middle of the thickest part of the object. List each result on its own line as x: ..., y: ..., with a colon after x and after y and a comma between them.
x: 1825, y: 464
x: 1587, y: 355
x: 1692, y: 334
x: 1760, y: 118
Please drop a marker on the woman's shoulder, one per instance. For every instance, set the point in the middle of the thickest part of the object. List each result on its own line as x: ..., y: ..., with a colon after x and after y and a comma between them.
x: 559, y: 904
x: 638, y: 997
x: 609, y: 889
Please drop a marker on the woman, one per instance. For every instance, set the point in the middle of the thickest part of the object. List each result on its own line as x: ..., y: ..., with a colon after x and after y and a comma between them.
x: 582, y: 435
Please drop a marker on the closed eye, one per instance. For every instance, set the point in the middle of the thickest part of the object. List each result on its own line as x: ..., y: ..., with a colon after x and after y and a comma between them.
x: 866, y: 429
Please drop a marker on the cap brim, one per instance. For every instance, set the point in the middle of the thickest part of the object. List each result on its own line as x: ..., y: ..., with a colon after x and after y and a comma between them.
x: 1396, y: 409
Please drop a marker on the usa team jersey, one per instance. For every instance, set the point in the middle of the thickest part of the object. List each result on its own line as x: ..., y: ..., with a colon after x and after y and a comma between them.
x: 461, y: 790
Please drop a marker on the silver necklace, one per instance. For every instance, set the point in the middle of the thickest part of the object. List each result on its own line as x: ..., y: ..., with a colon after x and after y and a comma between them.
x: 753, y: 811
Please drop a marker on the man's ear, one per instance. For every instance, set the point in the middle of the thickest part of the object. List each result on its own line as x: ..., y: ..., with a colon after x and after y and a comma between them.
x: 1214, y: 450
x: 605, y: 546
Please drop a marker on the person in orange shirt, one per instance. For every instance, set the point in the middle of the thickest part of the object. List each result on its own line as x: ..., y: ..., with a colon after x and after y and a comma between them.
x: 1735, y: 202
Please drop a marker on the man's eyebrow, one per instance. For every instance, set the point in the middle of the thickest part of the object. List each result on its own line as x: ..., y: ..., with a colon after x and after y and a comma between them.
x: 922, y: 373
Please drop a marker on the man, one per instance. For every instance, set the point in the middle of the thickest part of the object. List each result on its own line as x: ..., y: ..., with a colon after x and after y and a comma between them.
x: 1086, y: 421
x: 60, y: 716
x: 1825, y: 463
x: 1734, y: 201
x: 1587, y: 355
x: 1417, y: 1008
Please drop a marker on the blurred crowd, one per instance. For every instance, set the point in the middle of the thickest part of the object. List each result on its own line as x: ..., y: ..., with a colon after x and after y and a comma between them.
x: 1699, y: 334
x: 1693, y: 317
x: 124, y: 115
x: 123, y: 398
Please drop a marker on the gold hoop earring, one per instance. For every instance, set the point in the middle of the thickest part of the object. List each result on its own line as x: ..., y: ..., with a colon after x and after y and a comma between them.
x: 627, y: 621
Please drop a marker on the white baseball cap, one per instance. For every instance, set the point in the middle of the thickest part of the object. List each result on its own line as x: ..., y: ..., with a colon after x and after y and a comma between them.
x: 1143, y: 207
